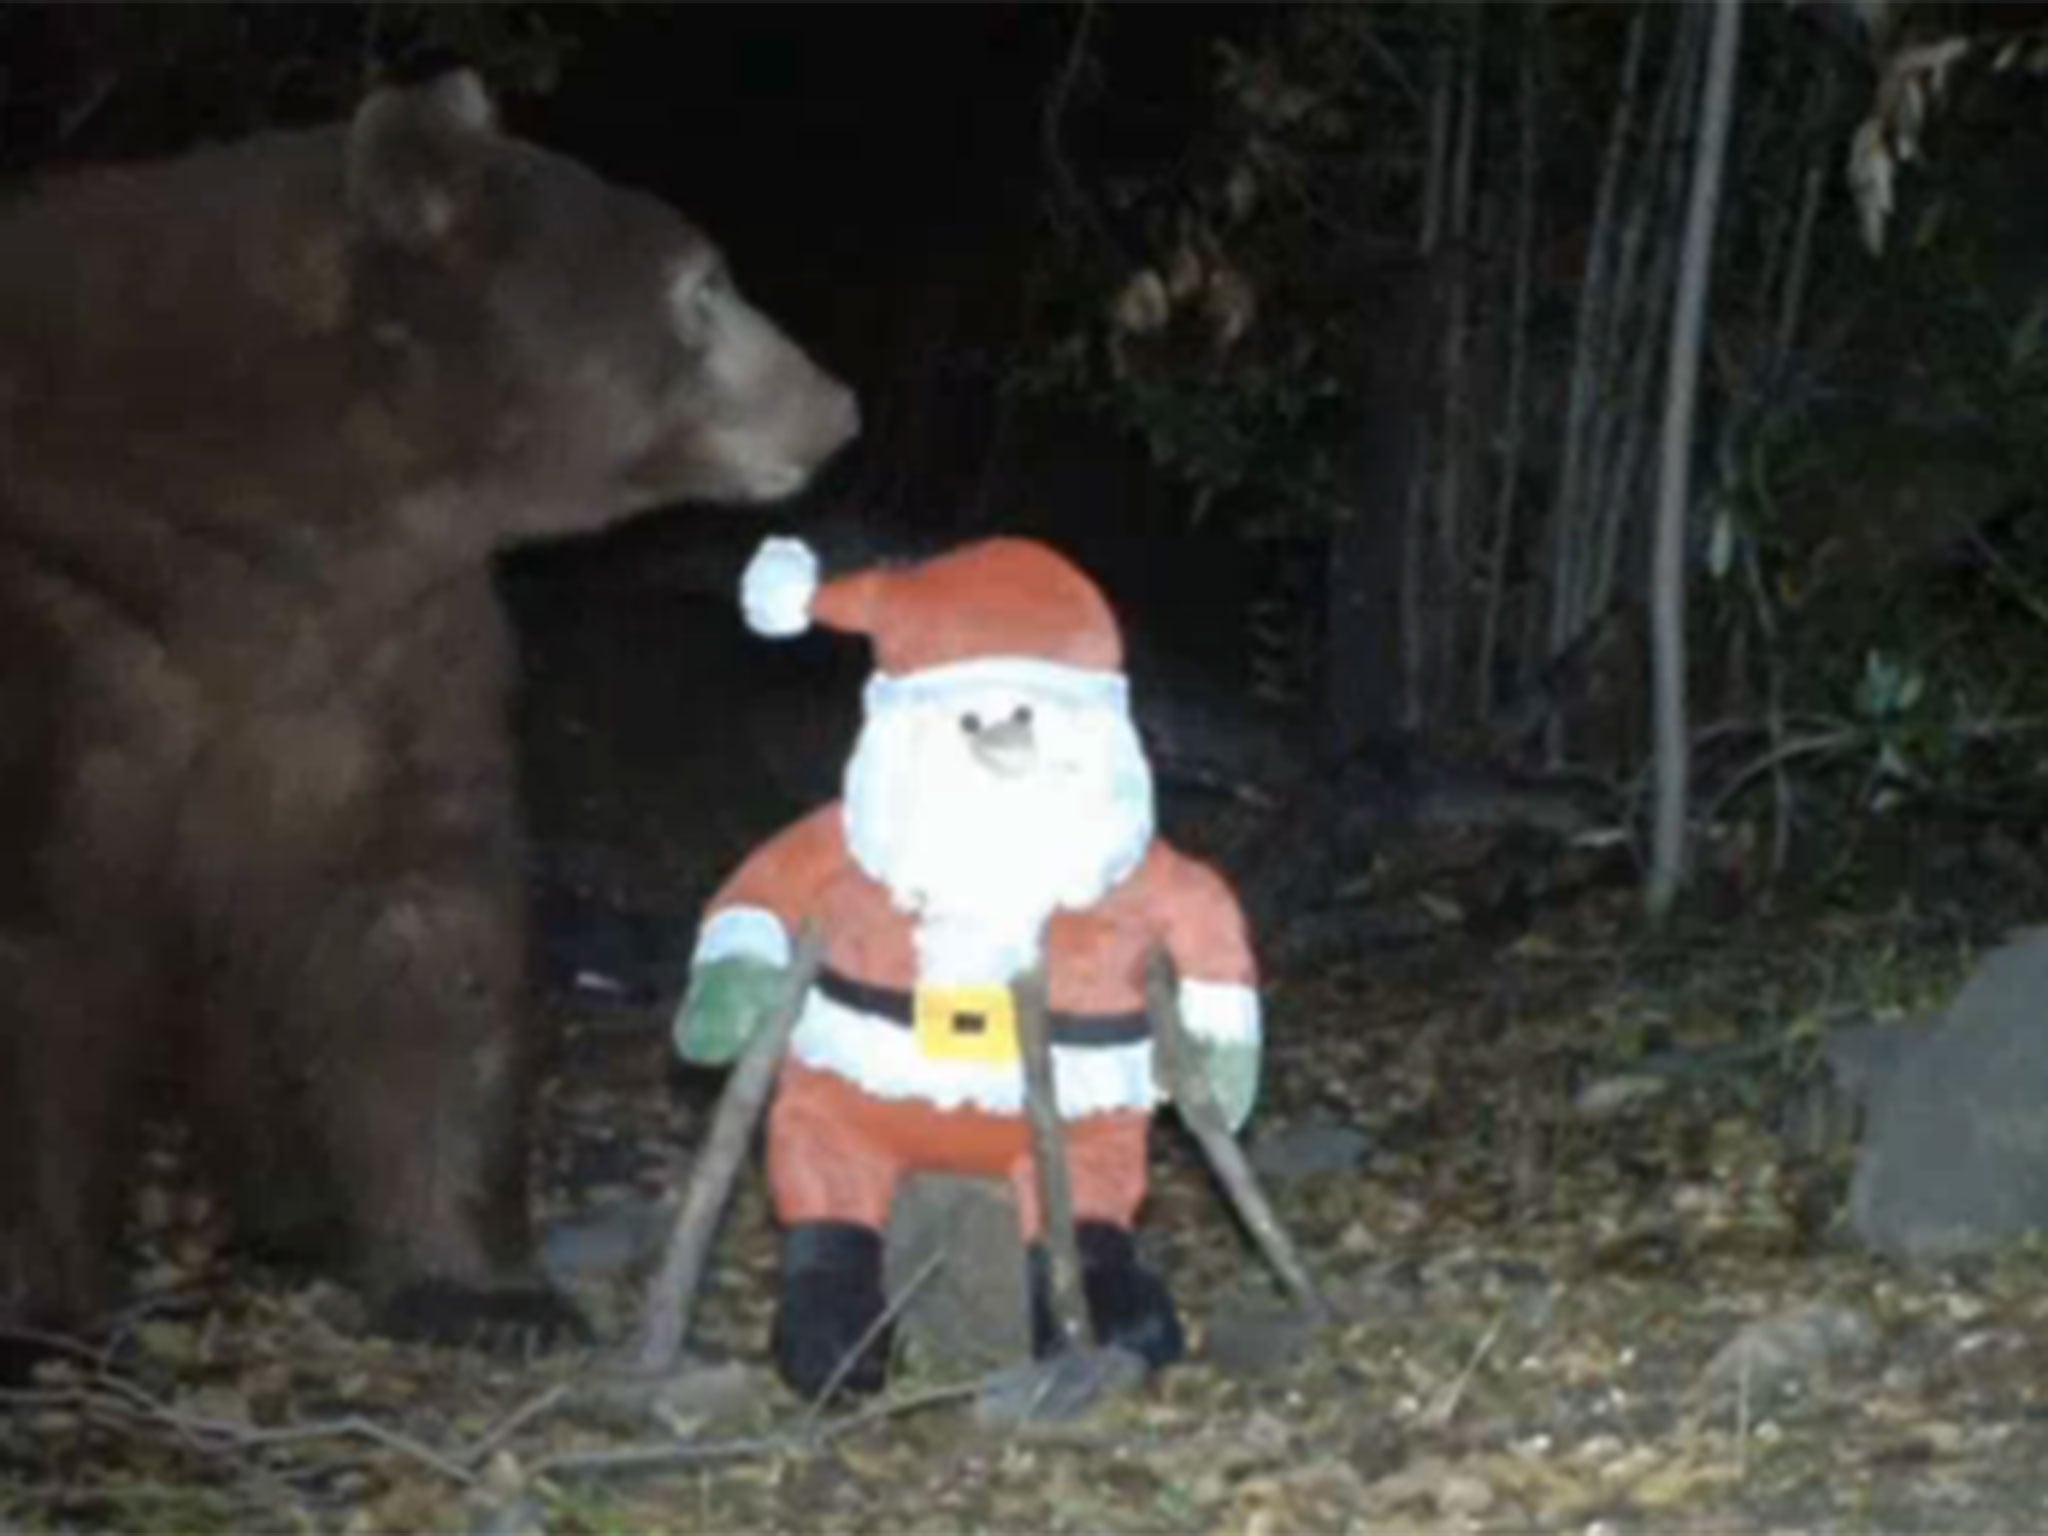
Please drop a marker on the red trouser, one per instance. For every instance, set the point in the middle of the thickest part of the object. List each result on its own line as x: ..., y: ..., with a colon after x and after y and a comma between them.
x: 835, y: 1153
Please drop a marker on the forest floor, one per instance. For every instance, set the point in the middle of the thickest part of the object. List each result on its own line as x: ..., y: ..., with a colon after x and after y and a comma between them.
x: 1575, y: 1195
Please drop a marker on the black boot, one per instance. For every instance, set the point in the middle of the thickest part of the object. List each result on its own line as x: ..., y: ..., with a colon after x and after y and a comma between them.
x: 831, y: 1296
x: 1128, y: 1305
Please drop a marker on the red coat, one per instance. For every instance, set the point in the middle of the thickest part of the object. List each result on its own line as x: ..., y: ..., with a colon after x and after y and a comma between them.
x: 869, y: 1022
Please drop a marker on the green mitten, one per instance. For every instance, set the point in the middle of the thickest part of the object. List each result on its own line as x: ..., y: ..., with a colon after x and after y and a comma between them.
x: 1232, y: 1068
x: 728, y: 1000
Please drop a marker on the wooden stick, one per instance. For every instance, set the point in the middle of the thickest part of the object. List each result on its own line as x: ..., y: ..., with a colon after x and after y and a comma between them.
x: 1180, y: 1069
x: 1049, y: 1159
x: 806, y: 1440
x: 665, y: 1314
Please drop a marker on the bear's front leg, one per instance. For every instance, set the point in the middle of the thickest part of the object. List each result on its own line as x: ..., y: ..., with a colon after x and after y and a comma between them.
x: 73, y: 1045
x: 420, y: 1094
x: 84, y: 982
x: 370, y: 945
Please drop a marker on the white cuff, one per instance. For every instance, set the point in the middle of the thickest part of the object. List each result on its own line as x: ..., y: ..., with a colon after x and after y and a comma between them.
x: 1223, y: 1011
x: 742, y: 933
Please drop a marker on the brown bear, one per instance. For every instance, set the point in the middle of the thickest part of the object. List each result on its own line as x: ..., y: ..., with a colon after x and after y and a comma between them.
x: 266, y: 412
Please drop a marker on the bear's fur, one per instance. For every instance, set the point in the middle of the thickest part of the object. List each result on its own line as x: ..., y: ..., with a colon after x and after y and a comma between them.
x: 266, y: 412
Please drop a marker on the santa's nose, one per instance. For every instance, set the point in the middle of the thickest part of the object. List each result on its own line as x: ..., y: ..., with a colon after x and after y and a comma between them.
x: 1007, y: 745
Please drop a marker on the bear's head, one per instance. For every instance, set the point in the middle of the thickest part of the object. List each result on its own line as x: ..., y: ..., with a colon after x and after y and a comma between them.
x: 583, y: 342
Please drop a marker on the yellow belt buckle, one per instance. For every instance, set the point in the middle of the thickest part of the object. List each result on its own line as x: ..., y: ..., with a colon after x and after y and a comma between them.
x: 966, y: 1023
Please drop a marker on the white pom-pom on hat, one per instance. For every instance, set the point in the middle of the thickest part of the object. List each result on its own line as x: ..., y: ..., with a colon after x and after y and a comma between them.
x: 778, y: 586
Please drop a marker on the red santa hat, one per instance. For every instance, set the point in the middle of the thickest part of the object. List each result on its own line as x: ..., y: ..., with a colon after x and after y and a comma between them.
x: 1004, y: 600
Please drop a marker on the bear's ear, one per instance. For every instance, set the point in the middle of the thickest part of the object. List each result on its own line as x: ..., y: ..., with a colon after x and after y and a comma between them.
x: 411, y: 154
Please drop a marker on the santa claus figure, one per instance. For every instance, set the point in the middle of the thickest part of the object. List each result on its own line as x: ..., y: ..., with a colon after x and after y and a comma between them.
x: 998, y: 813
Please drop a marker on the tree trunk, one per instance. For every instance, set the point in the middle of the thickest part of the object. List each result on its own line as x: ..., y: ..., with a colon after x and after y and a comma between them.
x: 1667, y: 575
x: 1510, y: 460
x: 1364, y: 668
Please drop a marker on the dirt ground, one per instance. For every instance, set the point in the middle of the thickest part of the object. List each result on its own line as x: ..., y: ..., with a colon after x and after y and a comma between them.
x: 1574, y: 1192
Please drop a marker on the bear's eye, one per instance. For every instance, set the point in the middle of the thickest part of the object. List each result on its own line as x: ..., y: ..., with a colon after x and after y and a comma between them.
x: 971, y: 723
x: 1021, y: 715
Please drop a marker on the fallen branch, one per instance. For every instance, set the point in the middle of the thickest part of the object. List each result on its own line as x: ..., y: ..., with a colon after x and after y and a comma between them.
x: 1438, y: 1414
x: 1049, y: 1161
x: 671, y: 1295
x: 808, y: 1440
x: 478, y: 1449
x: 122, y: 1401
x: 1180, y: 1070
x: 43, y: 1342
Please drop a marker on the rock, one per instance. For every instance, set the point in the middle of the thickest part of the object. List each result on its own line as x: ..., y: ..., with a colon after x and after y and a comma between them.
x: 1309, y: 1148
x: 1864, y: 1056
x: 1955, y: 1151
x: 520, y: 1516
x: 1776, y: 1351
x: 708, y: 1393
x: 1247, y: 1340
x: 693, y: 1395
x: 971, y: 1313
x: 608, y: 1241
x: 1056, y: 1389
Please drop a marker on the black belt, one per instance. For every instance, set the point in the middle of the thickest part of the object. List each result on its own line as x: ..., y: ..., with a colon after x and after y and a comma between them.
x: 1082, y: 1029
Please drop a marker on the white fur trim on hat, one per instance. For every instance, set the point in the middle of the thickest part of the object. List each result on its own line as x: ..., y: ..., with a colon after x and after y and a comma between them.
x: 1029, y: 674
x: 777, y: 588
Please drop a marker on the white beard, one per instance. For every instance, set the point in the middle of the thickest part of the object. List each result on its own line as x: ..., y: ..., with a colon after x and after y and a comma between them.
x: 982, y: 859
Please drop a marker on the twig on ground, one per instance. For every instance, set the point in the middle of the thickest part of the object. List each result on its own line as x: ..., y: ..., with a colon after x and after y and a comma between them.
x: 131, y: 1404
x: 353, y: 1426
x: 58, y: 1343
x: 1181, y: 1072
x: 1439, y: 1413
x: 663, y: 1454
x: 895, y: 1408
x: 511, y: 1424
x: 1049, y: 1160
x: 672, y: 1294
x: 1747, y: 1361
x: 808, y: 1440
